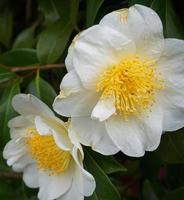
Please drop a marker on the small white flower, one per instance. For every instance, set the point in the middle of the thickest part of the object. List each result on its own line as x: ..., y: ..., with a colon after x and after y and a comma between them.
x: 124, y: 85
x: 41, y: 148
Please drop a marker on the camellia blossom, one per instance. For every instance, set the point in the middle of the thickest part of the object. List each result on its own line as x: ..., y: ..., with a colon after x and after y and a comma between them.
x: 124, y: 85
x: 41, y: 148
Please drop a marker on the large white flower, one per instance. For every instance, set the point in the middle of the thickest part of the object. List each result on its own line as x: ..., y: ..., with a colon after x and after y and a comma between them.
x: 41, y: 148
x: 124, y: 85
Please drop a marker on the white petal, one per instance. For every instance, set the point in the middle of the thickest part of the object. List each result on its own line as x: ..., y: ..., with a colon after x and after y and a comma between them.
x: 19, y: 125
x: 53, y: 186
x: 103, y: 109
x: 142, y: 25
x: 68, y: 60
x: 171, y: 63
x: 41, y: 126
x: 55, y: 128
x: 172, y: 102
x: 135, y: 137
x: 87, y: 180
x: 30, y: 176
x: 171, y: 66
x: 98, y: 48
x: 75, y: 191
x: 71, y: 83
x: 79, y: 104
x: 30, y: 105
x: 92, y: 133
x: 74, y: 137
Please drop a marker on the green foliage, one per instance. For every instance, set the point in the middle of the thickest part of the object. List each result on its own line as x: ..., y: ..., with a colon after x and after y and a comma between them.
x: 34, y: 39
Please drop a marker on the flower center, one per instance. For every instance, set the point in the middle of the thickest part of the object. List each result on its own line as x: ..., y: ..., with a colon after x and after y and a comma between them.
x: 133, y: 83
x: 48, y: 155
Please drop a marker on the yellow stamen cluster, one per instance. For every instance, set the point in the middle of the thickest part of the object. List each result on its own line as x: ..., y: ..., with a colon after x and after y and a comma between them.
x: 133, y: 83
x: 49, y: 156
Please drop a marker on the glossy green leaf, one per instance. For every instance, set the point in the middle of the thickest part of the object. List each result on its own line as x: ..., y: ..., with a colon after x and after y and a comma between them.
x: 6, y: 75
x: 49, y: 10
x: 6, y: 110
x: 25, y: 39
x: 52, y: 42
x: 171, y: 149
x: 67, y: 9
x: 105, y: 190
x: 148, y: 191
x: 42, y: 89
x: 91, y: 11
x: 6, y: 25
x: 19, y: 57
x: 108, y: 163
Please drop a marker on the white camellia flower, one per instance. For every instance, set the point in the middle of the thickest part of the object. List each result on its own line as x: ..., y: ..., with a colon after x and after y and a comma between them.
x: 41, y: 148
x: 124, y: 85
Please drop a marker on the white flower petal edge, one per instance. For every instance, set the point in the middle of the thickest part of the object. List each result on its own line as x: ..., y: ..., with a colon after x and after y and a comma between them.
x: 52, y: 184
x: 96, y: 58
x: 171, y: 65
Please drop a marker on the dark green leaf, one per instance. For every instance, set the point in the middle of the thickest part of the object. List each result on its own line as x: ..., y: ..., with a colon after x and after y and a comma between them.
x: 175, y: 194
x: 25, y: 39
x: 6, y: 24
x: 91, y: 11
x: 67, y: 9
x: 171, y: 149
x: 105, y: 190
x: 148, y: 192
x: 42, y: 89
x: 19, y: 57
x: 6, y: 75
x: 6, y: 110
x: 171, y: 22
x: 53, y: 41
x: 49, y: 10
x: 108, y: 163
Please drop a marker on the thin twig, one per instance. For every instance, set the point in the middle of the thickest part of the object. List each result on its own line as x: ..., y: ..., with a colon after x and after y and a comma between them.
x: 32, y: 68
x: 13, y: 175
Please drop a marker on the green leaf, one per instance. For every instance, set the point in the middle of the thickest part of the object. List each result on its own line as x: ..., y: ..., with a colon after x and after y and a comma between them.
x: 53, y: 10
x: 25, y: 39
x: 6, y: 75
x: 49, y: 10
x: 67, y: 9
x: 105, y: 190
x: 172, y: 24
x: 6, y: 110
x: 148, y: 192
x: 175, y: 194
x: 107, y: 163
x: 6, y: 25
x: 19, y: 57
x: 42, y: 89
x: 171, y: 149
x: 91, y: 11
x: 52, y: 42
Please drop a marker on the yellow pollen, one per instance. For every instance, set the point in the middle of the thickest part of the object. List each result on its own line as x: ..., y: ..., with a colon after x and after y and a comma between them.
x: 133, y: 83
x: 49, y: 156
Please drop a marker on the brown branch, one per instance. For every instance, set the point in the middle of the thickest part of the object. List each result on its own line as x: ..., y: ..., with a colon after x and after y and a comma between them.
x: 33, y: 68
x: 13, y: 175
